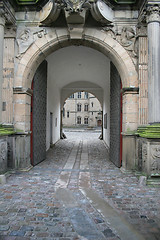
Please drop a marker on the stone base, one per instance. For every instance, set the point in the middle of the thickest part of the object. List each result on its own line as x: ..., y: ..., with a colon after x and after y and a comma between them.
x: 123, y: 170
x: 129, y: 152
x: 27, y: 169
x: 142, y: 181
x: 22, y: 151
x: 155, y: 181
x: 19, y: 152
x: 3, y: 155
x: 3, y: 179
x: 148, y: 157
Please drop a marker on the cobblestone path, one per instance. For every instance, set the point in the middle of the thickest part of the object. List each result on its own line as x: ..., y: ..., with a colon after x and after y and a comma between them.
x: 78, y: 194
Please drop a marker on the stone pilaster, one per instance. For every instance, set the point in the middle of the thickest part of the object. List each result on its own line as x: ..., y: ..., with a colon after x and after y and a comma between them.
x: 153, y: 20
x: 22, y: 108
x: 143, y: 73
x: 7, y: 18
x: 8, y: 76
x: 130, y: 123
x: 130, y: 109
x: 2, y: 24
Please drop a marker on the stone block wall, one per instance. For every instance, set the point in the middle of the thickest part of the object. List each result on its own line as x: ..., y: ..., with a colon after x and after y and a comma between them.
x: 130, y: 110
x: 8, y: 76
x: 143, y: 80
x: 3, y: 155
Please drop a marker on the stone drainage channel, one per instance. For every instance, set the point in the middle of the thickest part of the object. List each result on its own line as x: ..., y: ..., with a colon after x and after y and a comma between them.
x: 76, y: 193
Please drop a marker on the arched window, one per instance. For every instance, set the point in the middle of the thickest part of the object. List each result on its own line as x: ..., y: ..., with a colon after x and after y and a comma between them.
x: 78, y: 120
x: 86, y: 107
x: 86, y: 120
x: 78, y: 107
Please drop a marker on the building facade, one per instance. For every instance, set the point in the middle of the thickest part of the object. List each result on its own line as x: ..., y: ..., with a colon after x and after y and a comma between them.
x: 110, y: 48
x: 82, y: 109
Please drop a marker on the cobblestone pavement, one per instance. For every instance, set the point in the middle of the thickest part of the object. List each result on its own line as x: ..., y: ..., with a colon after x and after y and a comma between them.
x: 57, y: 198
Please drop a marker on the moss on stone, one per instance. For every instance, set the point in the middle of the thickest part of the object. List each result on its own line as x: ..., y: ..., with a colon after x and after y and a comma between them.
x: 149, y: 131
x: 4, y: 131
x: 23, y: 2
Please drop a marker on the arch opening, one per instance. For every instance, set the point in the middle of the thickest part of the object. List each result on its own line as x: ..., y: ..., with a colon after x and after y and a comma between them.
x: 97, y: 41
x: 82, y: 111
x: 85, y: 64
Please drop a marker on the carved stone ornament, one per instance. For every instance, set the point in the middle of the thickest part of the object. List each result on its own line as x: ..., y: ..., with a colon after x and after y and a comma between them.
x: 101, y: 12
x: 40, y: 33
x: 153, y: 13
x: 110, y: 31
x: 144, y: 153
x: 74, y: 5
x: 25, y: 40
x: 50, y: 12
x: 126, y: 37
x: 27, y: 37
x: 155, y: 159
x: 142, y: 30
x: 76, y: 11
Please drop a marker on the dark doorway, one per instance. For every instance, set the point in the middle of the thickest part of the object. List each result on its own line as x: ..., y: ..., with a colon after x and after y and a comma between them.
x: 99, y: 123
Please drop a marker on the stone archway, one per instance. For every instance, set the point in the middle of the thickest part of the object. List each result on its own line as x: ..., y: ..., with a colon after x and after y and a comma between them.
x: 59, y: 38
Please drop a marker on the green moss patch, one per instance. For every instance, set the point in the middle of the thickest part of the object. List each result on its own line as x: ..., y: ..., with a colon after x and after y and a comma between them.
x: 149, y: 131
x: 4, y: 131
x: 25, y: 2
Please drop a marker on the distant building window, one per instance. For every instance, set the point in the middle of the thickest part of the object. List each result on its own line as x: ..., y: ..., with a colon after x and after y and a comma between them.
x: 78, y: 120
x: 86, y: 107
x: 63, y: 112
x: 78, y: 107
x: 68, y: 114
x: 79, y: 94
x: 92, y: 104
x: 92, y: 113
x: 86, y: 120
x: 72, y: 96
x: 86, y: 95
x: 4, y: 106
